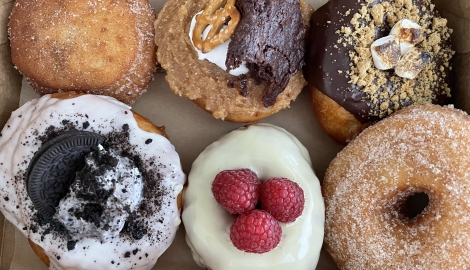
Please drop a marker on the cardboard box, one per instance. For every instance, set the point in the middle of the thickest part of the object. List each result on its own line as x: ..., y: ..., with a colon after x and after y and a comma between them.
x: 191, y: 129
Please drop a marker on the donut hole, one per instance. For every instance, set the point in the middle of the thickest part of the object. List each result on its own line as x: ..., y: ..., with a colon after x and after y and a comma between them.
x: 414, y: 205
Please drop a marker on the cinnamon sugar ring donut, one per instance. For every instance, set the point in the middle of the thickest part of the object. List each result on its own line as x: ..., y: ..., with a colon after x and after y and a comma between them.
x: 397, y: 196
x: 348, y: 91
x: 135, y: 212
x: 103, y: 48
x: 209, y: 86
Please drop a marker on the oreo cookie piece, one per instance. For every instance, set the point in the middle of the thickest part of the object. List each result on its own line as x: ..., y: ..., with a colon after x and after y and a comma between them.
x: 53, y: 168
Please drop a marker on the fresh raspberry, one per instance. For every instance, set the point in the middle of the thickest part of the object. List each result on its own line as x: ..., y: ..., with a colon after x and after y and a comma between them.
x: 255, y: 231
x: 282, y: 198
x: 236, y: 190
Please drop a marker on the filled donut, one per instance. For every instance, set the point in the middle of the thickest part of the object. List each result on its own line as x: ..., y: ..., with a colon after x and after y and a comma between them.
x: 397, y: 196
x: 104, y: 47
x: 89, y: 182
x: 268, y: 155
x: 368, y: 59
x: 248, y: 71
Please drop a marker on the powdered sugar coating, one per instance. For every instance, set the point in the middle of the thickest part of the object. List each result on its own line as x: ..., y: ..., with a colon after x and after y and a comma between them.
x: 419, y: 149
x: 20, y: 139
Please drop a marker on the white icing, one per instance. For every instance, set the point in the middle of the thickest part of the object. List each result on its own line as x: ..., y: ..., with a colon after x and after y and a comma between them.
x: 18, y: 143
x: 125, y: 176
x: 269, y: 151
x: 218, y: 54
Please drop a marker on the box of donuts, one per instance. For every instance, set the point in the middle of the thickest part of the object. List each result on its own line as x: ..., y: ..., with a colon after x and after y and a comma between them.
x: 234, y: 134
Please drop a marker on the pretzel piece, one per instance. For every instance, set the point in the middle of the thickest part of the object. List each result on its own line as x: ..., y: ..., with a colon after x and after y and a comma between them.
x: 216, y: 16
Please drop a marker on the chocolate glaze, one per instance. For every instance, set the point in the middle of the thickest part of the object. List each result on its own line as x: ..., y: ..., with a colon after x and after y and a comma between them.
x: 323, y: 60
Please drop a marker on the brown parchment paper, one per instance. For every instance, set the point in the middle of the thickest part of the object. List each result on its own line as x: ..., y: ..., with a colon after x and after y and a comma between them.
x: 191, y: 129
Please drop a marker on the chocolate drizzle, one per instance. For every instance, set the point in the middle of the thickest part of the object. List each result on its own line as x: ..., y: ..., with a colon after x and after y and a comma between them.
x: 327, y: 65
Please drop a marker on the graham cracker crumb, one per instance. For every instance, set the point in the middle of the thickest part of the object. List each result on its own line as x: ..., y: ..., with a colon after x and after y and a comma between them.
x: 438, y: 22
x: 377, y: 12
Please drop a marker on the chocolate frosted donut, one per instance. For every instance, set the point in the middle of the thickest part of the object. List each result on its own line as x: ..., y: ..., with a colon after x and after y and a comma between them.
x: 397, y: 196
x: 348, y: 91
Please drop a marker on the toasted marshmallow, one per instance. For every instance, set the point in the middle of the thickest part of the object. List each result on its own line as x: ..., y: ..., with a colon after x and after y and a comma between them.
x: 408, y: 34
x: 385, y: 52
x: 411, y: 64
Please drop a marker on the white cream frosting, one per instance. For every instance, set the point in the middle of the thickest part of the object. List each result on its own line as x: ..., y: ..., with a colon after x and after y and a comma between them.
x: 269, y: 151
x: 124, y: 181
x: 18, y: 143
x: 218, y: 54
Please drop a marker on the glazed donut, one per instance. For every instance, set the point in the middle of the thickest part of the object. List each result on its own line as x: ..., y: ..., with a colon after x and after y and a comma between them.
x: 139, y: 215
x: 209, y: 86
x: 104, y: 48
x: 269, y: 151
x: 397, y: 196
x: 348, y: 93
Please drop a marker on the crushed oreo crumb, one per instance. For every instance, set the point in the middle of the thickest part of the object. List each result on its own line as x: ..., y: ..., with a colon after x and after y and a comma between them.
x: 71, y: 245
x: 85, y: 125
x: 148, y: 141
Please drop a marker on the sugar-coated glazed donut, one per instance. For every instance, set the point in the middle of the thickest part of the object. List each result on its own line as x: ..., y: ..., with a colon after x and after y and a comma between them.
x: 397, y: 196
x: 136, y: 246
x: 103, y: 48
x: 269, y: 151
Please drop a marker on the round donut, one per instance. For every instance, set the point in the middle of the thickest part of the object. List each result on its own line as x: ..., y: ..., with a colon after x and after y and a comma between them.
x: 205, y: 83
x: 269, y: 151
x: 104, y: 48
x: 348, y: 93
x: 154, y: 224
x: 397, y: 196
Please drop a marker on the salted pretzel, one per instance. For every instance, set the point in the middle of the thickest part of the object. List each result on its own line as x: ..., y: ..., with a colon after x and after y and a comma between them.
x: 216, y: 15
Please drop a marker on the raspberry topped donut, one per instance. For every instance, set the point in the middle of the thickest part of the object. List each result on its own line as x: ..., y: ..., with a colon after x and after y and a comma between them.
x: 397, y: 196
x: 367, y: 59
x: 239, y: 60
x: 90, y: 183
x: 256, y: 167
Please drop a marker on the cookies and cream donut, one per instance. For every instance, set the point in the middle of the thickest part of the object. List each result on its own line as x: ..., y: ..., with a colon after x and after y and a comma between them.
x: 117, y: 210
x: 270, y: 56
x: 268, y: 151
x: 348, y: 91
x: 397, y: 196
x: 104, y: 47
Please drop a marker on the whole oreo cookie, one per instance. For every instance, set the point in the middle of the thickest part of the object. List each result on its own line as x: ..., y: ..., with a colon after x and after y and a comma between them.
x: 53, y: 168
